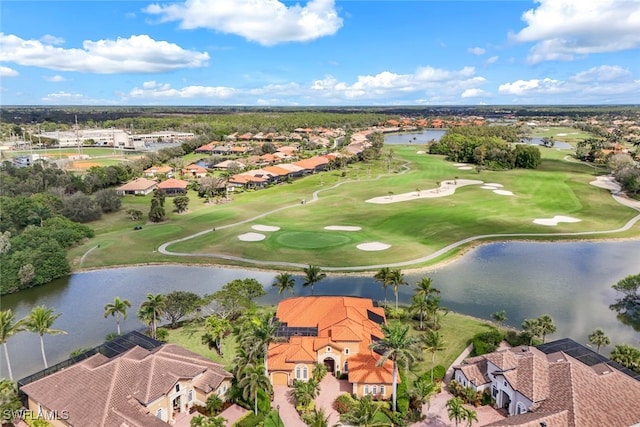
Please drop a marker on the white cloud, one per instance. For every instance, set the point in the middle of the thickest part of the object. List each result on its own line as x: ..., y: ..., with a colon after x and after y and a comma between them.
x: 476, y: 50
x: 475, y: 93
x: 49, y: 39
x: 564, y: 29
x: 154, y: 90
x: 7, y: 72
x: 137, y: 54
x: 267, y: 22
x: 491, y: 60
x: 55, y: 79
x: 603, y: 84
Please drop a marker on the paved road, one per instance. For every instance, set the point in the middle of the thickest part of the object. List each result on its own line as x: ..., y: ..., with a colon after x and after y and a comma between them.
x: 619, y: 197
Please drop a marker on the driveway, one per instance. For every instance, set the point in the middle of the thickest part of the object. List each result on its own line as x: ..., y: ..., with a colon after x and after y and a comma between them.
x: 288, y: 413
x: 330, y: 388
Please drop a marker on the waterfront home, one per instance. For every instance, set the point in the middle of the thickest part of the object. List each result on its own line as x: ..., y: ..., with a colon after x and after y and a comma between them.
x: 159, y: 170
x: 335, y: 331
x: 173, y: 187
x: 140, y: 186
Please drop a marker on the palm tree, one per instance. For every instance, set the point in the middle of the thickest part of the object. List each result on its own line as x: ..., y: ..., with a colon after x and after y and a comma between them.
x: 364, y: 414
x: 471, y: 416
x: 264, y: 332
x: 116, y: 309
x: 424, y: 288
x: 8, y: 328
x: 456, y: 410
x: 316, y: 418
x: 304, y: 392
x: 382, y: 276
x: 216, y: 328
x: 433, y: 342
x: 419, y: 305
x: 284, y: 282
x: 40, y: 321
x: 253, y: 378
x: 500, y: 317
x: 545, y: 322
x: 151, y: 309
x: 599, y: 339
x: 531, y: 327
x: 398, y: 346
x: 396, y: 278
x: 313, y: 275
x: 423, y: 389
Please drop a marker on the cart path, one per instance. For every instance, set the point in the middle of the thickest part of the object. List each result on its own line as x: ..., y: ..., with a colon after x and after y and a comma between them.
x: 618, y: 196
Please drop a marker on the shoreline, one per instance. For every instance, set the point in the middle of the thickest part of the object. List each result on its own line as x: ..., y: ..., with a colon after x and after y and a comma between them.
x: 448, y: 260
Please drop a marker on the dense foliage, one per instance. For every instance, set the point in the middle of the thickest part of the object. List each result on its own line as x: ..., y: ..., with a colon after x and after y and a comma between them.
x: 486, y: 146
x: 627, y: 304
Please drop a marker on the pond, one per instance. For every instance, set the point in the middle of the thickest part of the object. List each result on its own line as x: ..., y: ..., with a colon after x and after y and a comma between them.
x: 571, y: 281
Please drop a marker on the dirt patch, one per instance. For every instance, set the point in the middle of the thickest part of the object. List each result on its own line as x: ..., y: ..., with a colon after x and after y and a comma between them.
x: 84, y: 165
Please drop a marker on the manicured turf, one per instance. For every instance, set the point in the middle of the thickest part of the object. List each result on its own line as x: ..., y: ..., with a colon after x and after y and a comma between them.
x: 413, y: 229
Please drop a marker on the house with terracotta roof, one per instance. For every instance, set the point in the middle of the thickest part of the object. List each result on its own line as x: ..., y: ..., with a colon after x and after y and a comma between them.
x: 138, y: 388
x: 313, y: 164
x: 554, y: 389
x: 194, y: 170
x: 159, y: 170
x: 173, y: 187
x: 335, y: 331
x: 140, y: 186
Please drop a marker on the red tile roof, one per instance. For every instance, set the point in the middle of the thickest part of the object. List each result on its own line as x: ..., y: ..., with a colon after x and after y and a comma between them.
x: 173, y: 183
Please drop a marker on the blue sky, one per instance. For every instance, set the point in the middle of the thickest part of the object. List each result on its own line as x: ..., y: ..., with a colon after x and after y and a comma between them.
x: 319, y: 52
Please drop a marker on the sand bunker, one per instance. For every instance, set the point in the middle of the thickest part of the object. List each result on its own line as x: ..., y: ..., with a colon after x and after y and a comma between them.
x: 373, y: 246
x: 555, y: 220
x: 493, y: 184
x: 265, y: 227
x: 251, y: 237
x: 487, y: 187
x: 460, y: 164
x: 420, y: 152
x: 503, y: 192
x: 607, y: 182
x: 447, y: 188
x: 342, y: 228
x: 465, y: 168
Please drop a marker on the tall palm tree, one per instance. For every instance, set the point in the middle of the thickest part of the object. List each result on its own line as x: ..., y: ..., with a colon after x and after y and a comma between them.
x: 116, y: 309
x: 433, y: 342
x: 40, y: 321
x: 545, y: 322
x: 284, y: 282
x: 396, y: 278
x: 151, y: 309
x: 419, y: 305
x: 364, y: 414
x: 303, y: 392
x: 313, y: 275
x: 397, y: 346
x: 423, y: 389
x: 8, y: 328
x: 500, y: 317
x: 424, y: 288
x: 531, y: 327
x: 264, y: 332
x: 470, y: 416
x: 456, y: 410
x: 253, y: 378
x: 382, y: 276
x: 317, y: 418
x: 599, y: 339
x: 216, y: 328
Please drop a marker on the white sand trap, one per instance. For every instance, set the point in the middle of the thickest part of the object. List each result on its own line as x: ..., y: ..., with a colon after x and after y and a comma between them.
x: 251, y: 237
x: 607, y: 182
x: 459, y: 164
x: 555, y: 220
x: 493, y: 184
x: 503, y: 192
x: 465, y: 168
x: 342, y: 228
x: 562, y: 134
x: 265, y: 227
x: 373, y: 246
x: 447, y: 188
x: 420, y: 152
x: 488, y: 187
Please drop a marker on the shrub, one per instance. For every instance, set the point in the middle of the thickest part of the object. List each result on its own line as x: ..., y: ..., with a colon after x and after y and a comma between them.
x: 343, y: 403
x: 250, y: 420
x: 402, y: 400
x: 439, y: 372
x: 162, y: 334
x: 487, y: 399
x: 486, y: 342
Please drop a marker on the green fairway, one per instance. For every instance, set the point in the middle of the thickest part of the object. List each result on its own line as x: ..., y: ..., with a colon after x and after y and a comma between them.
x: 413, y: 229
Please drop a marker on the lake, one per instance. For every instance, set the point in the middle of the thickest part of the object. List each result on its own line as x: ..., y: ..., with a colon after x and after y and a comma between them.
x: 571, y: 281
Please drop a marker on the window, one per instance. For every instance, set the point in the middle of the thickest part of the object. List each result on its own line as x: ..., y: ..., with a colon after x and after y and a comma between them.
x: 346, y: 351
x: 382, y: 390
x: 505, y: 383
x: 366, y: 389
x: 298, y: 372
x: 159, y: 413
x: 304, y: 373
x: 494, y: 391
x: 177, y: 388
x: 190, y: 396
x: 346, y: 366
x: 328, y: 349
x: 521, y: 409
x: 375, y: 390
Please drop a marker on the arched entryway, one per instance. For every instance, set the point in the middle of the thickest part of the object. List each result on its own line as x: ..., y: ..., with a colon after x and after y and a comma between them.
x: 330, y: 364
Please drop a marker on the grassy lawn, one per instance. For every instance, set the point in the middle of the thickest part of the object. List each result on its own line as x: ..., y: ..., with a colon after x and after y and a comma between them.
x: 190, y: 337
x: 561, y: 133
x: 413, y: 228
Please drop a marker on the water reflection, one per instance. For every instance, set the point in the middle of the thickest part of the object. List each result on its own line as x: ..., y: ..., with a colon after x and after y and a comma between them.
x: 570, y: 281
